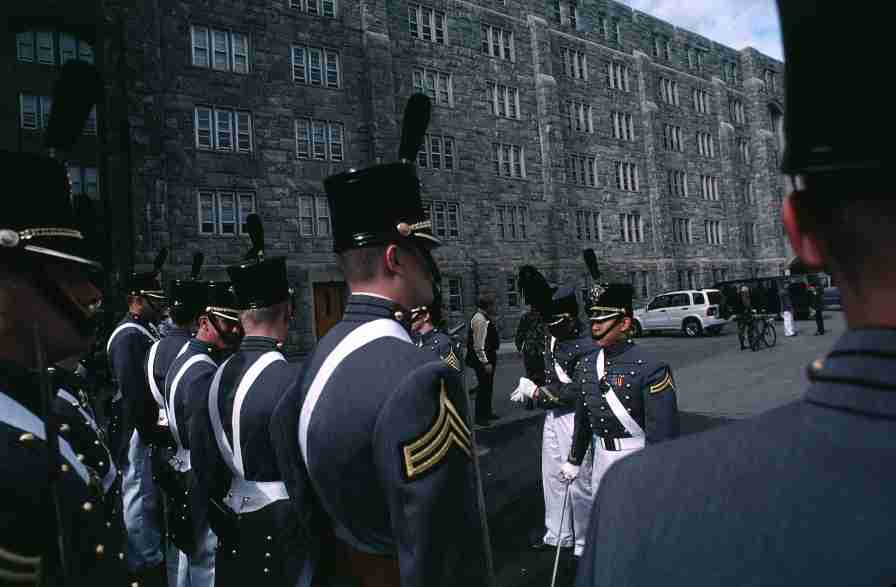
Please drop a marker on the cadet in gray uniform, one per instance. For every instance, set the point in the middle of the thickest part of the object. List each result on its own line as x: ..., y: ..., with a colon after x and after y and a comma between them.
x: 803, y: 494
x: 426, y: 324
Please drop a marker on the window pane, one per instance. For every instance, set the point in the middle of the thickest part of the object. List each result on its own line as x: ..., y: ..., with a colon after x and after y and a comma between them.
x: 306, y: 216
x: 240, y: 44
x: 244, y: 132
x: 227, y: 213
x: 303, y: 140
x: 318, y: 136
x: 224, y: 134
x: 219, y: 42
x: 336, y: 153
x: 25, y: 46
x: 323, y: 216
x: 46, y: 105
x: 329, y: 8
x: 449, y: 153
x: 298, y: 64
x: 85, y: 52
x: 204, y: 128
x: 332, y: 69
x: 247, y: 206
x: 45, y: 48
x: 206, y: 213
x: 435, y: 152
x: 453, y: 221
x: 314, y: 67
x: 200, y: 46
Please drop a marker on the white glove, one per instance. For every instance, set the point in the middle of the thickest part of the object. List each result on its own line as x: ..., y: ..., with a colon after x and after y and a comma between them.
x: 569, y: 472
x: 525, y: 390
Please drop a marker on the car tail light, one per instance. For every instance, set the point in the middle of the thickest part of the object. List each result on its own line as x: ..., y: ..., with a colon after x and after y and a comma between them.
x: 711, y: 311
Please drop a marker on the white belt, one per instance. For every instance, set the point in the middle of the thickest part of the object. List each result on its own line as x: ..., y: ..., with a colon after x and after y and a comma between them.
x: 617, y: 444
x: 250, y: 496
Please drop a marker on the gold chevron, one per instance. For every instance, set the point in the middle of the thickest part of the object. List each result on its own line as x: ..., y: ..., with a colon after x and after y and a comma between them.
x: 451, y: 360
x: 25, y: 569
x: 449, y: 429
x: 664, y: 384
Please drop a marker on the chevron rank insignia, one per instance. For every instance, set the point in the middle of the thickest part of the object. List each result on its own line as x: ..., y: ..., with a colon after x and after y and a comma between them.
x: 451, y: 360
x: 19, y: 569
x: 664, y: 384
x: 448, y: 430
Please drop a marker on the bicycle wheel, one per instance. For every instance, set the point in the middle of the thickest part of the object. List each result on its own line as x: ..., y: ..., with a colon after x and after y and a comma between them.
x: 769, y: 335
x: 754, y: 337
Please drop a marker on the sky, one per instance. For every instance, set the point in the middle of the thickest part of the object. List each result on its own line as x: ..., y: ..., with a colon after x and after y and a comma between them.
x: 735, y: 23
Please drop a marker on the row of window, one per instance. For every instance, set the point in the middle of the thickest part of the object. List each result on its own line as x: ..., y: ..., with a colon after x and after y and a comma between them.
x: 316, y: 66
x: 713, y: 231
x: 427, y: 24
x: 315, y: 7
x: 672, y: 138
x: 581, y: 170
x: 51, y: 48
x: 631, y: 227
x: 221, y: 50
x: 509, y: 160
x: 709, y: 188
x: 503, y: 101
x: 436, y: 152
x: 681, y: 231
x: 498, y: 42
x: 579, y: 116
x: 575, y: 64
x: 34, y: 113
x: 623, y: 126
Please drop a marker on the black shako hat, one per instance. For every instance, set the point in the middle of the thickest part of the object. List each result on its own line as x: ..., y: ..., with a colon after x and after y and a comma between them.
x: 146, y: 283
x: 44, y: 224
x: 609, y: 300
x: 381, y: 204
x: 832, y: 126
x: 187, y: 296
x: 220, y: 300
x: 564, y: 306
x: 259, y: 282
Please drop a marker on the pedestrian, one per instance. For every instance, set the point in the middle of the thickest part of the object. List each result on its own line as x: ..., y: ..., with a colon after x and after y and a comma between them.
x: 53, y: 515
x: 568, y: 343
x: 818, y: 306
x: 426, y: 327
x: 787, y: 309
x: 628, y: 396
x: 482, y: 355
x: 139, y: 423
x: 758, y: 501
x: 744, y: 317
x: 231, y: 452
x: 384, y: 429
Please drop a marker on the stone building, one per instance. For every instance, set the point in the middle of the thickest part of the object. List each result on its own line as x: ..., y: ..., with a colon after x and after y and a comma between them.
x: 556, y: 126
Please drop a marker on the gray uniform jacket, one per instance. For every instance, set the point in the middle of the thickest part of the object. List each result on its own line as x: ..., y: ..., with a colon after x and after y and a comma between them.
x: 801, y: 495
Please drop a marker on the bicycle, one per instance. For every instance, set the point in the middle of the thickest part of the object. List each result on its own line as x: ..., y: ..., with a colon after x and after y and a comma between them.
x: 762, y: 332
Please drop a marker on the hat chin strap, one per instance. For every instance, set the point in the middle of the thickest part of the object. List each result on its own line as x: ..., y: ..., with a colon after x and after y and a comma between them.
x: 616, y: 321
x: 82, y: 318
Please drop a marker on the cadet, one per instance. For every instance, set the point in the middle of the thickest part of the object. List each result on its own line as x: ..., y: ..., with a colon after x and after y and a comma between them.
x: 628, y: 397
x: 186, y: 393
x: 802, y: 494
x: 230, y: 443
x: 384, y: 429
x: 138, y: 427
x: 566, y: 346
x: 47, y: 306
x: 425, y: 326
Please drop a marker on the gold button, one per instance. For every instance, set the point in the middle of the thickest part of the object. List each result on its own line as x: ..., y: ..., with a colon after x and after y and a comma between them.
x: 64, y: 468
x: 121, y: 557
x: 135, y: 583
x: 266, y: 570
x: 27, y: 437
x: 80, y: 457
x: 100, y: 550
x: 64, y: 428
x: 267, y: 555
x: 87, y: 507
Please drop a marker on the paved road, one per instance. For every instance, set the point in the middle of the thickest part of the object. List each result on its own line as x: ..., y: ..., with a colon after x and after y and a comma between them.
x: 716, y: 382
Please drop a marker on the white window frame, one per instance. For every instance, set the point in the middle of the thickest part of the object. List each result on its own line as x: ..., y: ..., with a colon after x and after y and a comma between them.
x: 416, y: 25
x: 499, y: 38
x: 320, y: 219
x: 429, y: 81
x: 25, y: 47
x: 325, y: 8
x: 441, y: 213
x: 455, y: 290
x: 199, y: 41
x: 240, y: 212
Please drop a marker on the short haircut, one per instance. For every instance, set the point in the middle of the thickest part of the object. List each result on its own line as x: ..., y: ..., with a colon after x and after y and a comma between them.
x: 184, y: 316
x: 266, y: 315
x: 363, y: 264
x: 852, y: 214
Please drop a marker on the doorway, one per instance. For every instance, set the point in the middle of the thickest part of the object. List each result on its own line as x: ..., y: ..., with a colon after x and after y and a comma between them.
x: 329, y: 306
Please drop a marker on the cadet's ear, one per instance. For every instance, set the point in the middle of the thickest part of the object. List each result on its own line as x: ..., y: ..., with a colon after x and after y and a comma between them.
x: 394, y: 258
x: 803, y: 239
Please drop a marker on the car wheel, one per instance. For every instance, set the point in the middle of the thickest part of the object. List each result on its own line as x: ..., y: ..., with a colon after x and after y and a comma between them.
x: 692, y: 328
x: 637, y: 332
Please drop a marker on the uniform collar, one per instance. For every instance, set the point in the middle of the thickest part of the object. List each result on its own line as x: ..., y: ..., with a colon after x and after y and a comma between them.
x: 618, y: 349
x: 364, y: 307
x: 859, y: 374
x: 259, y: 343
x: 197, y: 346
x: 427, y: 338
x: 178, y: 331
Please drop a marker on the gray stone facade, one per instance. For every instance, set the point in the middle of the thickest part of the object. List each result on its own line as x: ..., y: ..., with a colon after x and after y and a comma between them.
x: 377, y: 55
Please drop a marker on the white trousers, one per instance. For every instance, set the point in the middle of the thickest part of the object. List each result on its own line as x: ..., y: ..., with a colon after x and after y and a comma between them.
x: 193, y: 571
x: 788, y: 323
x: 603, y: 458
x: 555, y: 448
x: 140, y: 503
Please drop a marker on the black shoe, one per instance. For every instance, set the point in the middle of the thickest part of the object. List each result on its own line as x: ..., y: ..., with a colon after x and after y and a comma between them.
x: 540, y: 545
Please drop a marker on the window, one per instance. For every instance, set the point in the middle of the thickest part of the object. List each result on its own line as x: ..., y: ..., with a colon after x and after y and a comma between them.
x: 713, y: 230
x: 427, y: 24
x: 696, y: 58
x: 579, y: 116
x: 737, y: 112
x: 497, y: 42
x: 512, y: 222
x: 731, y: 72
x: 435, y: 84
x: 445, y: 218
x: 662, y: 47
x: 669, y: 91
x: 320, y: 139
x: 645, y: 284
x: 513, y: 294
x: 566, y: 12
x: 677, y: 182
x: 315, y: 7
x: 25, y: 46
x: 623, y: 126
x: 509, y: 160
x: 226, y: 122
x: 749, y: 234
x: 672, y: 138
x: 617, y: 31
x: 30, y: 112
x: 705, y: 145
x: 316, y: 66
x: 581, y: 170
x: 618, y: 76
x: 681, y: 231
x: 701, y: 101
x: 604, y: 26
x: 455, y: 295
x: 575, y: 63
x: 750, y: 193
x: 627, y: 176
x: 709, y: 186
x: 743, y: 151
x: 220, y: 49
x: 42, y: 46
x: 771, y: 80
x: 436, y: 152
x: 503, y: 100
x: 314, y: 216
x: 90, y: 124
x: 224, y: 212
x: 631, y: 228
x: 589, y: 226
x: 83, y: 180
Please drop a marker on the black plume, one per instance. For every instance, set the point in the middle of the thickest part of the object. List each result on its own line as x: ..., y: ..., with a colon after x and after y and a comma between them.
x: 78, y: 89
x: 591, y: 262
x: 535, y: 288
x: 198, y: 259
x: 414, y: 125
x: 256, y: 234
x: 160, y: 260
